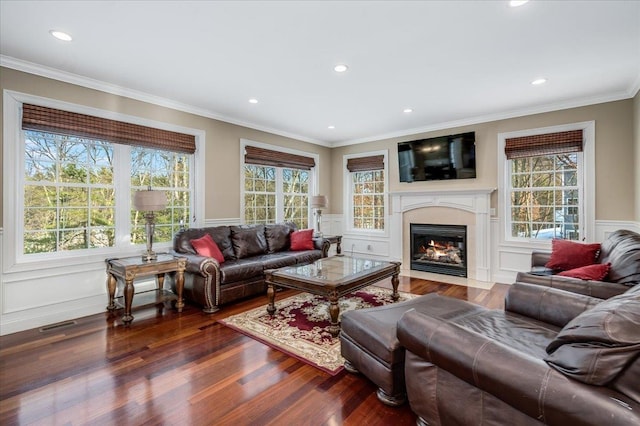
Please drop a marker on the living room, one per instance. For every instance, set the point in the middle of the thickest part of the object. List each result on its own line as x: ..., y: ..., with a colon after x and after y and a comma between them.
x: 39, y: 291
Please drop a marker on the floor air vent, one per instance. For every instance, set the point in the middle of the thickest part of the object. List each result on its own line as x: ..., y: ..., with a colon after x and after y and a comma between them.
x: 57, y: 325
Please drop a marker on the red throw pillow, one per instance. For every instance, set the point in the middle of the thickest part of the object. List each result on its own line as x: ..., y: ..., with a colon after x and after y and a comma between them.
x: 302, y: 240
x: 205, y: 246
x: 566, y: 255
x: 595, y: 272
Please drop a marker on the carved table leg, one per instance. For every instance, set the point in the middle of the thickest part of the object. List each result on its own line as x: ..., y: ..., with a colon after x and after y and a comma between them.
x: 334, y: 313
x: 179, y: 289
x: 128, y: 299
x: 111, y: 291
x: 271, y: 296
x: 394, y: 282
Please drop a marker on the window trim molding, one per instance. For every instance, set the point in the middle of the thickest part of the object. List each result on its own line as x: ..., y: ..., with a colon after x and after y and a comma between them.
x: 14, y: 169
x: 347, y: 200
x: 313, y: 183
x: 587, y: 181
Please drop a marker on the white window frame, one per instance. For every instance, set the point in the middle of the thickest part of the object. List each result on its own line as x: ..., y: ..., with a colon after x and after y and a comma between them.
x: 586, y: 183
x: 13, y: 153
x: 313, y: 178
x: 348, y: 195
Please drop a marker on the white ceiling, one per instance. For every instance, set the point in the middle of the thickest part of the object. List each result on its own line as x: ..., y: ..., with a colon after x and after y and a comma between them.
x: 453, y: 62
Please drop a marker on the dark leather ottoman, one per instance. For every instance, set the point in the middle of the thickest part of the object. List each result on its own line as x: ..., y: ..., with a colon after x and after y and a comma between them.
x: 369, y: 344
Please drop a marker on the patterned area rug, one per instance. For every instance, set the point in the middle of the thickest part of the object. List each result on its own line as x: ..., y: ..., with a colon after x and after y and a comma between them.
x: 299, y: 326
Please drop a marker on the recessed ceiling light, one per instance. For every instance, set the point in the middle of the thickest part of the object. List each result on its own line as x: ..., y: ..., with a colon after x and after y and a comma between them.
x: 60, y: 35
x: 516, y: 3
x: 407, y: 110
x: 253, y: 101
x: 539, y: 81
x: 331, y: 127
x: 340, y: 68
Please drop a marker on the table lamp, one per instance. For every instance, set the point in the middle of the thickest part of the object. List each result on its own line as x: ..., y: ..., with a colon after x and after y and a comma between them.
x: 149, y: 202
x: 318, y: 202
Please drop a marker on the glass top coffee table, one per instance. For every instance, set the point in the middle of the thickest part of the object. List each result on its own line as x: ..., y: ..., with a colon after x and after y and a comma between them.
x: 331, y: 277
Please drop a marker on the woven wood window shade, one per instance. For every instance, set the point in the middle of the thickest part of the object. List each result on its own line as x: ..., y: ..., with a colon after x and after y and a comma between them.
x: 547, y: 144
x: 52, y: 120
x: 267, y: 157
x: 363, y: 164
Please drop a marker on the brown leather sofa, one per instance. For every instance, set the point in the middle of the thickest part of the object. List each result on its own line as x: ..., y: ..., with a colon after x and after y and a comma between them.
x: 551, y: 357
x: 248, y: 251
x: 621, y: 249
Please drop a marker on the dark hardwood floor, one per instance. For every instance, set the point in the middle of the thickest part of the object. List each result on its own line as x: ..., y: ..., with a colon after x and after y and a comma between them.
x: 177, y: 369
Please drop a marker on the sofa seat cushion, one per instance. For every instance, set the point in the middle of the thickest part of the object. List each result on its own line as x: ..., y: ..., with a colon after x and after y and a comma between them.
x: 622, y: 250
x: 595, y: 346
x: 240, y: 269
x: 275, y: 261
x: 307, y: 256
x: 515, y: 331
x: 248, y: 240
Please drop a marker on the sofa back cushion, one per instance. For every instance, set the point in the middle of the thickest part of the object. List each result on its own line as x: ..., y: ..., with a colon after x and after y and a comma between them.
x: 622, y: 250
x: 248, y: 240
x: 278, y: 236
x: 221, y: 235
x: 598, y: 344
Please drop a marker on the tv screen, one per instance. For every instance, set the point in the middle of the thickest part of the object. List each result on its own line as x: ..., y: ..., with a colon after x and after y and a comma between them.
x: 441, y: 158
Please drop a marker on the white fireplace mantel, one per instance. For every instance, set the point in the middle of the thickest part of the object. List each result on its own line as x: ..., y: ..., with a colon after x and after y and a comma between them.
x: 476, y: 201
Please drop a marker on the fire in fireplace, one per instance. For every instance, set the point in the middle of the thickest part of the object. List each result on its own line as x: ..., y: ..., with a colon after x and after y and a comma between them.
x: 441, y: 249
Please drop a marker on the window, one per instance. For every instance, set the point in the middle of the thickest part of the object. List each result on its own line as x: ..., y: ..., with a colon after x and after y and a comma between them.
x: 545, y: 183
x: 164, y: 171
x: 367, y: 192
x: 69, y: 193
x: 545, y: 197
x: 75, y: 192
x: 259, y: 194
x: 368, y: 199
x: 276, y: 185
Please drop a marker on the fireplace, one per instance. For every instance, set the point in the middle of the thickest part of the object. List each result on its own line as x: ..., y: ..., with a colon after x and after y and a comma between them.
x: 440, y: 249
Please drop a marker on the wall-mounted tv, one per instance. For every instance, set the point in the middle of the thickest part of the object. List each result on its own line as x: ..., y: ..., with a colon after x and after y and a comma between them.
x: 441, y: 158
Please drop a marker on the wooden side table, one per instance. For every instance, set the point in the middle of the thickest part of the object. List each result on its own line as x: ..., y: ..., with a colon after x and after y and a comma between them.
x: 335, y: 239
x: 129, y: 268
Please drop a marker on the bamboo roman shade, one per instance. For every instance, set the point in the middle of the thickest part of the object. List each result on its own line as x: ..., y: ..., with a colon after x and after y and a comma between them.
x: 267, y: 157
x: 363, y: 164
x: 53, y: 120
x: 547, y: 144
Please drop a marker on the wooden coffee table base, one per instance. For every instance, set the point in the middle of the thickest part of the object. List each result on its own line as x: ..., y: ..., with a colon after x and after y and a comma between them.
x: 331, y: 289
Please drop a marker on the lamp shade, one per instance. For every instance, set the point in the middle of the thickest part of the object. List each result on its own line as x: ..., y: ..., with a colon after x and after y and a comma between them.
x: 149, y: 201
x: 318, y: 202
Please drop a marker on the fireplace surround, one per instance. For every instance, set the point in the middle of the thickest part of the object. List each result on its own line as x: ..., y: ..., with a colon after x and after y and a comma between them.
x: 470, y: 207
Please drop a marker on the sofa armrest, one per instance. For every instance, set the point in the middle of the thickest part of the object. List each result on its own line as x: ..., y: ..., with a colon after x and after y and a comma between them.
x: 599, y: 289
x: 202, y: 265
x: 322, y: 244
x: 539, y: 258
x: 547, y: 304
x: 526, y: 383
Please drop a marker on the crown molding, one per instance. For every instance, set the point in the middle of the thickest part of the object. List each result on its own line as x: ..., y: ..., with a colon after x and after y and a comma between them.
x: 55, y: 74
x: 90, y: 83
x: 557, y: 106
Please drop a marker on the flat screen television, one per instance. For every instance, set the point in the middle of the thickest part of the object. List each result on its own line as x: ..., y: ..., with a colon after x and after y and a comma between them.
x: 441, y: 158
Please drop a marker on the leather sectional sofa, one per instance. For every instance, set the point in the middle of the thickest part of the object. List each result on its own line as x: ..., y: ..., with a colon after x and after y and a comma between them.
x: 248, y: 251
x: 551, y: 357
x: 621, y: 249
